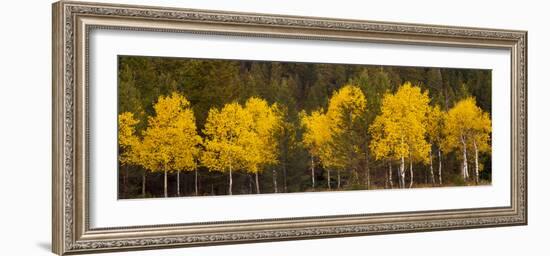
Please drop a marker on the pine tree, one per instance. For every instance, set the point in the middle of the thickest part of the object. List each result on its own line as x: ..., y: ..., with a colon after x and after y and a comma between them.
x: 346, y: 116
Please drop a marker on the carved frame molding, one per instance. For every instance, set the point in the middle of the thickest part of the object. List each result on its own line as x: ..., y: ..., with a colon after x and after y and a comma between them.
x: 72, y: 22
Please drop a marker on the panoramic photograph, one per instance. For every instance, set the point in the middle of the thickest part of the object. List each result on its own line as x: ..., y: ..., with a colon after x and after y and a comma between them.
x: 212, y: 127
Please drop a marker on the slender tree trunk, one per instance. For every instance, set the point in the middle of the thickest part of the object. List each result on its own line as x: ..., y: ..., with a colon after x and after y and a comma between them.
x: 257, y: 183
x: 439, y: 158
x: 178, y: 182
x: 402, y: 167
x: 390, y: 175
x: 411, y: 171
x: 230, y: 180
x: 402, y: 172
x: 165, y: 183
x: 196, y: 182
x: 338, y: 173
x: 432, y: 168
x: 328, y: 179
x: 399, y: 175
x: 465, y: 159
x: 476, y: 162
x: 387, y: 179
x: 312, y: 174
x: 143, y: 183
x: 275, y: 189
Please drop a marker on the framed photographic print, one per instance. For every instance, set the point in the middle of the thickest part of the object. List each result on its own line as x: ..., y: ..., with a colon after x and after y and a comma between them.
x: 178, y: 127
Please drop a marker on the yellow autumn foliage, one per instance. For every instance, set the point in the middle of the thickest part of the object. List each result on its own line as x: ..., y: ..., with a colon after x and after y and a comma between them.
x: 399, y: 130
x: 317, y: 138
x: 229, y: 136
x: 466, y: 121
x: 435, y: 124
x: 334, y: 136
x: 170, y: 142
x: 346, y: 106
x: 265, y: 123
x: 128, y: 141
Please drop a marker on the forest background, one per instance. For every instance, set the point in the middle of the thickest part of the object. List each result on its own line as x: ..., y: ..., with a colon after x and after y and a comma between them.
x: 298, y: 89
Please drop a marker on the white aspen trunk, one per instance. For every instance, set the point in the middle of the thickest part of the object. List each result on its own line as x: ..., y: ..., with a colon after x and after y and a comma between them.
x: 402, y: 172
x: 390, y: 175
x: 196, y: 182
x: 275, y: 189
x: 411, y: 171
x: 338, y: 173
x: 402, y: 167
x: 230, y: 180
x: 165, y: 183
x: 257, y: 183
x: 432, y: 168
x: 178, y: 182
x: 465, y: 159
x: 387, y: 180
x: 476, y: 162
x: 399, y: 175
x: 439, y: 158
x: 328, y: 179
x: 143, y: 183
x: 312, y: 174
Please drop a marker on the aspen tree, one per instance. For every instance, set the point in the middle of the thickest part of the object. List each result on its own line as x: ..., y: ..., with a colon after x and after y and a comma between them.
x: 398, y: 132
x: 435, y: 126
x: 229, y: 136
x: 264, y: 148
x: 467, y: 127
x: 171, y: 142
x: 316, y: 137
x: 128, y: 142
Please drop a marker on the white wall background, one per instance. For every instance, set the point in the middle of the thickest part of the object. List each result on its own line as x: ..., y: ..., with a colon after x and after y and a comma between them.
x: 25, y: 127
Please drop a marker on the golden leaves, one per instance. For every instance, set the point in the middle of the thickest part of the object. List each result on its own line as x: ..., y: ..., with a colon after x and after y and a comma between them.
x: 244, y: 137
x: 399, y: 131
x: 170, y: 141
x: 469, y: 122
x: 348, y: 103
x: 266, y: 121
x: 435, y: 124
x: 127, y: 139
x: 240, y: 137
x: 346, y: 110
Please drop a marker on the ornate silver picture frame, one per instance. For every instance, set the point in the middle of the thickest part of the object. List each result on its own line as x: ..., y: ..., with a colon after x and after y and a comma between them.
x: 72, y: 24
